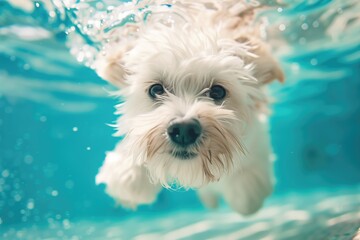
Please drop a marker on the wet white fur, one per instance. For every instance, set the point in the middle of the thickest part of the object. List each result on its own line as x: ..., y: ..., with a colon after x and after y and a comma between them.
x: 188, y: 61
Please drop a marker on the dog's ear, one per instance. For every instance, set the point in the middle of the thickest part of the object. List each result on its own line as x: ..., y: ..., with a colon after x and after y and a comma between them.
x: 266, y: 68
x: 110, y: 67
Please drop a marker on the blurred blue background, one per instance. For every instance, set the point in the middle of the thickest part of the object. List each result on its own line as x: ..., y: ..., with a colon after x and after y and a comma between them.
x: 54, y: 112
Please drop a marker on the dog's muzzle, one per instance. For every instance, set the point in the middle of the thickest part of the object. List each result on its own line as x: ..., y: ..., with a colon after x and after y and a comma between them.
x: 184, y: 133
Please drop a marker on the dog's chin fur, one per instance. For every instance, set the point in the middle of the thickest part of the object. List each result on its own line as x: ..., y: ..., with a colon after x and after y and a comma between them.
x: 231, y: 157
x: 206, y: 161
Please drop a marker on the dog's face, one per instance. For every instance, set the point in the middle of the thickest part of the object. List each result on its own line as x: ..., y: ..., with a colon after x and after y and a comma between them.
x: 188, y: 98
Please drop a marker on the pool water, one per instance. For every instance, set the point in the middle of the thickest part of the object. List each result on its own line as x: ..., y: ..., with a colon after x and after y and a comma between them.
x: 315, y: 215
x: 55, y: 112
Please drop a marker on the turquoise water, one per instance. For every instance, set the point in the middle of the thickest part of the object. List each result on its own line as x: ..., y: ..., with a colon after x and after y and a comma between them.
x: 55, y: 111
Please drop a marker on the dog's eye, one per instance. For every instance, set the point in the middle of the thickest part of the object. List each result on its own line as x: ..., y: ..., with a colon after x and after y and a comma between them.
x: 156, y: 90
x: 217, y: 92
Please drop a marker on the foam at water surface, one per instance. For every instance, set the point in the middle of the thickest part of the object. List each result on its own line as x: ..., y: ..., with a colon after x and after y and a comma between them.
x: 91, y: 28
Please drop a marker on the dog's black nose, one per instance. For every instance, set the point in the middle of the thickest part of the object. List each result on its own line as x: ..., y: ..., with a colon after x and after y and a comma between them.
x: 184, y: 133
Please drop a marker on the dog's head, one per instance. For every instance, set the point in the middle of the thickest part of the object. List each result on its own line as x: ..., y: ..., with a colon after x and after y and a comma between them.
x: 188, y: 98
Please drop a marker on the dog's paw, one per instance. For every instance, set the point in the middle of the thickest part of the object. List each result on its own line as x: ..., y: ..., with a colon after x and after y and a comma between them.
x: 247, y: 191
x: 110, y: 67
x: 128, y: 185
x: 209, y: 198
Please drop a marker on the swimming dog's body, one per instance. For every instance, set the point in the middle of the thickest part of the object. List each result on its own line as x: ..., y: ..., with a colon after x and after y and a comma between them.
x: 194, y: 111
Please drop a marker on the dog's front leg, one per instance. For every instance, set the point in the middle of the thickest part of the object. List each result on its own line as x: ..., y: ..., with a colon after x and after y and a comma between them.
x: 245, y: 190
x: 128, y: 183
x: 209, y: 196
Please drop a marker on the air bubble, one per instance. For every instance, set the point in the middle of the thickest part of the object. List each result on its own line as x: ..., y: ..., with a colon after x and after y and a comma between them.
x: 31, y: 204
x: 43, y: 119
x: 302, y: 41
x: 52, y: 14
x: 99, y: 5
x: 26, y: 66
x: 66, y: 224
x: 313, y: 61
x: 5, y: 173
x: 282, y: 27
x: 28, y: 159
x: 304, y: 26
x: 17, y: 197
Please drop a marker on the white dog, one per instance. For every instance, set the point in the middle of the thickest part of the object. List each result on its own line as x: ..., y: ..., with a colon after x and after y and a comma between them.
x: 194, y: 110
